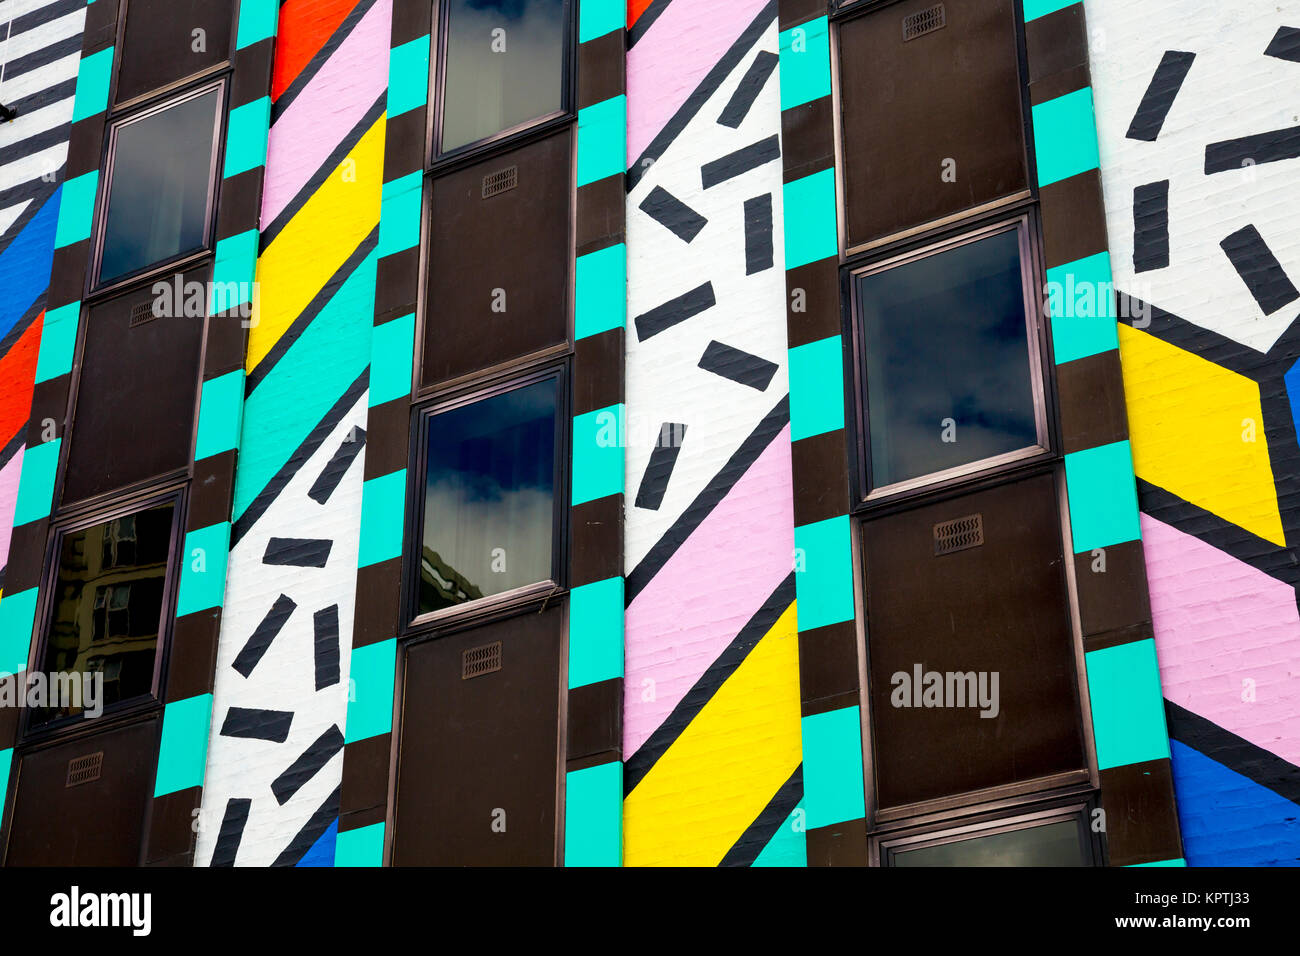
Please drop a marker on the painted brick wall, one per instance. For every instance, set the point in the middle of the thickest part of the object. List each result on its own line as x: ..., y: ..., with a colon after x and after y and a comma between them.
x: 1198, y: 127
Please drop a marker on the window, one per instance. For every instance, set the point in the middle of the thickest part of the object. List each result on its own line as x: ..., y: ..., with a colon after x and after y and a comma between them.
x: 108, y: 604
x: 489, y: 510
x: 1051, y: 838
x: 503, y: 66
x: 166, y: 41
x: 160, y: 185
x: 950, y: 359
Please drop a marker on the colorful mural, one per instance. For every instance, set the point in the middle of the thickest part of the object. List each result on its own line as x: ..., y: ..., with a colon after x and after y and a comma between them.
x: 711, y: 709
x: 1198, y: 131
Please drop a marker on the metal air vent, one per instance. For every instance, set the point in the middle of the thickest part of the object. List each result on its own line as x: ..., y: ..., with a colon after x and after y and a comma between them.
x: 503, y: 180
x: 478, y: 661
x: 959, y: 534
x: 141, y: 313
x: 924, y: 21
x: 84, y: 769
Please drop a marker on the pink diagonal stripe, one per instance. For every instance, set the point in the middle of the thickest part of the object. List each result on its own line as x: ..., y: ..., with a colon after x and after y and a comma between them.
x: 8, y: 499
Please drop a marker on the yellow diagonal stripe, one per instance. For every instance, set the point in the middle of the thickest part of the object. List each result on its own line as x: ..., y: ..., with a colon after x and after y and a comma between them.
x: 1198, y: 431
x: 726, y: 766
x: 317, y: 241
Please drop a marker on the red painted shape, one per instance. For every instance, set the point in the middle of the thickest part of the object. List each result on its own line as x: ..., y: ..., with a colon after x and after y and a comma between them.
x: 305, y: 27
x: 634, y: 10
x: 17, y: 376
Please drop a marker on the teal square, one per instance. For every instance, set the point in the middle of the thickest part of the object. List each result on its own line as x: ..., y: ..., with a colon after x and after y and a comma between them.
x: 363, y: 846
x: 823, y: 575
x: 76, y: 209
x: 1081, y: 304
x: 94, y: 74
x: 1103, y: 496
x: 247, y: 130
x: 391, y: 357
x: 183, y: 752
x: 408, y: 76
x: 598, y: 454
x: 58, y: 342
x: 600, y: 291
x: 17, y: 619
x: 832, y: 767
x: 593, y: 816
x: 805, y: 55
x: 1128, y: 707
x: 371, y: 678
x: 1041, y: 8
x: 36, y: 484
x: 233, y: 272
x: 599, y: 17
x: 602, y: 140
x: 6, y: 760
x: 809, y: 210
x: 221, y: 407
x: 257, y: 21
x: 1065, y: 136
x: 816, y: 388
x: 399, y: 214
x: 383, y: 503
x: 203, y: 573
x: 596, y: 632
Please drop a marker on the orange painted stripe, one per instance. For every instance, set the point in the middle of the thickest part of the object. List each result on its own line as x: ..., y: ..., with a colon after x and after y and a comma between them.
x: 634, y: 10
x: 305, y: 27
x: 17, y: 375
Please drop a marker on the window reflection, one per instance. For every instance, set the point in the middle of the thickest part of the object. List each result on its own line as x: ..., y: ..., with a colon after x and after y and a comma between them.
x: 947, y: 360
x: 1052, y: 844
x: 505, y: 66
x: 161, y: 181
x: 489, y: 497
x: 108, y: 606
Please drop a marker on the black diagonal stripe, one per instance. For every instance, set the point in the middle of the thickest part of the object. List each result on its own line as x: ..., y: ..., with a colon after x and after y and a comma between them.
x: 675, y: 311
x: 673, y: 214
x: 319, y: 59
x: 1236, y: 753
x: 266, y: 497
x: 38, y: 190
x: 36, y: 143
x: 695, y: 102
x: 693, y: 701
x: 41, y: 192
x: 232, y: 832
x: 751, y: 84
x: 325, y: 624
x: 1271, y: 147
x: 758, y: 234
x: 308, y: 315
x: 311, y: 831
x: 708, y: 499
x: 326, y: 169
x: 643, y: 23
x: 337, y: 466
x: 15, y: 442
x: 1189, y: 337
x: 1151, y: 226
x: 740, y: 161
x: 263, y: 635
x: 52, y: 10
x: 765, y: 826
x: 737, y: 365
x: 1285, y: 44
x: 658, y: 471
x: 307, y: 765
x: 47, y: 96
x: 255, y: 724
x: 298, y: 552
x: 20, y: 327
x: 1160, y: 95
x: 1259, y: 269
x: 43, y: 57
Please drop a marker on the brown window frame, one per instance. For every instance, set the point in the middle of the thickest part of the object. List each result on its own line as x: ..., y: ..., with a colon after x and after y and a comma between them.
x: 167, y: 89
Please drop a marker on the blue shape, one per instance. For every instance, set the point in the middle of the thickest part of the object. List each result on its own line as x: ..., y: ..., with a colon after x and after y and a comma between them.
x: 322, y: 851
x: 25, y: 264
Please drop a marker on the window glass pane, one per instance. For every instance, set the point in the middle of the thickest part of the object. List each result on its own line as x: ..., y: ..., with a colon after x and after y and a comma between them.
x: 161, y: 179
x: 108, y: 605
x: 489, y: 497
x: 947, y: 360
x: 168, y: 40
x: 505, y: 66
x: 1053, y: 844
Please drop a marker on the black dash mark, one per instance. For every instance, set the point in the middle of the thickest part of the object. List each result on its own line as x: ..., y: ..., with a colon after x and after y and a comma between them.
x: 232, y: 832
x: 673, y: 214
x: 751, y: 84
x: 326, y: 622
x: 263, y: 635
x: 737, y: 365
x: 298, y: 552
x: 674, y: 311
x: 256, y: 724
x: 308, y: 765
x: 333, y: 472
x: 1270, y: 147
x: 1159, y: 97
x: 1151, y: 226
x: 1259, y: 269
x: 741, y: 161
x: 1285, y: 44
x: 663, y: 457
x: 758, y: 234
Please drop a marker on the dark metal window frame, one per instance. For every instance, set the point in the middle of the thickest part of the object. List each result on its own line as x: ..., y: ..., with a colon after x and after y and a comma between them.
x: 167, y: 89
x: 497, y: 606
x: 539, y: 126
x: 176, y: 493
x: 140, y: 111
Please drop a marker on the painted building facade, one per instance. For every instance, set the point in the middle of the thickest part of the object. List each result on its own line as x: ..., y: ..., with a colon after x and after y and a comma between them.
x: 595, y: 423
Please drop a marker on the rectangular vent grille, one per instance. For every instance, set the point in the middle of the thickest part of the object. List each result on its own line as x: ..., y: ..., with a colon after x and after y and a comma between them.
x: 85, y: 769
x: 924, y: 21
x: 503, y: 180
x: 478, y: 661
x: 959, y: 534
x: 142, y: 313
